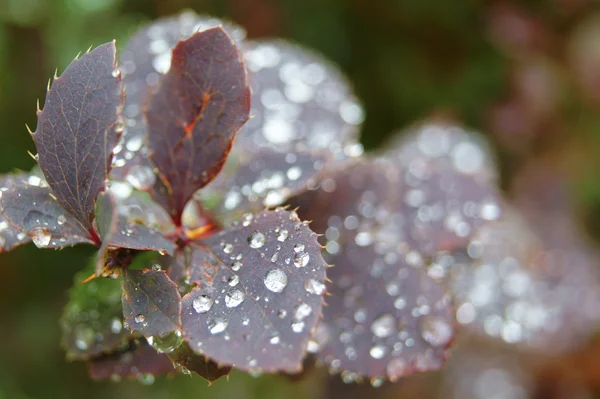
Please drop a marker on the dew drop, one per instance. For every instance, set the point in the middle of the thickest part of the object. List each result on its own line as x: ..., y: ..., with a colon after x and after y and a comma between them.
x: 61, y: 220
x: 233, y: 280
x: 116, y: 326
x: 298, y: 327
x: 140, y: 319
x: 435, y: 330
x: 314, y: 287
x: 141, y: 177
x: 202, y: 304
x: 40, y: 236
x: 236, y: 266
x: 256, y: 239
x: 377, y: 351
x: 302, y: 311
x: 301, y: 259
x: 228, y: 248
x: 383, y: 326
x: 234, y: 298
x: 217, y: 326
x: 299, y: 248
x: 275, y: 280
x: 283, y: 235
x: 275, y: 340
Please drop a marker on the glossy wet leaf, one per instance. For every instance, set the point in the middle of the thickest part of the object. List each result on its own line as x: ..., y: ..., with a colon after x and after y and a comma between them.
x: 119, y: 231
x: 78, y: 129
x: 92, y: 322
x: 385, y: 317
x: 299, y: 102
x: 27, y: 205
x: 145, y: 58
x: 139, y: 360
x: 11, y: 237
x: 151, y: 302
x: 195, y: 112
x: 199, y: 364
x: 448, y: 188
x: 263, y: 179
x: 254, y: 306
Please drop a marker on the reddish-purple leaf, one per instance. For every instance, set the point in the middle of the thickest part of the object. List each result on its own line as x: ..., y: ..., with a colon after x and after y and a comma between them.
x: 28, y: 206
x: 193, y: 116
x: 11, y: 237
x: 78, y: 129
x: 258, y: 293
x: 146, y: 57
x: 207, y: 369
x: 151, y: 303
x: 266, y: 178
x: 299, y: 102
x: 385, y: 317
x: 447, y: 186
x: 119, y: 231
x: 139, y: 360
x: 516, y: 285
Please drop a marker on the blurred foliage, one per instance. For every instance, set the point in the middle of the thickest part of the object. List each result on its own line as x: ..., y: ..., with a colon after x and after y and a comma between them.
x: 527, y: 73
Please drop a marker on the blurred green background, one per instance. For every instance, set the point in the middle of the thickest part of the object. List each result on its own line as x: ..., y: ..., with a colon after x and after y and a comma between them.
x: 526, y: 73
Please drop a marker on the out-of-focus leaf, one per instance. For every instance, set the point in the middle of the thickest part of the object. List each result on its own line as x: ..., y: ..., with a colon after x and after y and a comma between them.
x: 151, y: 303
x: 78, y: 129
x: 193, y: 116
x: 139, y: 360
x: 146, y: 57
x: 29, y: 207
x: 118, y: 231
x: 385, y: 317
x: 263, y: 179
x: 199, y: 364
x: 258, y: 296
x: 92, y: 322
x: 299, y: 102
x: 11, y: 237
x: 447, y: 186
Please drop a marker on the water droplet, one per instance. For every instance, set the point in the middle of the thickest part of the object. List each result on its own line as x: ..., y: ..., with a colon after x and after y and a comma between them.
x: 157, y: 267
x: 383, y: 326
x: 314, y: 287
x: 435, y: 330
x: 299, y: 248
x: 275, y: 340
x: 233, y: 280
x: 140, y: 319
x: 217, y: 326
x: 40, y: 236
x: 84, y: 337
x: 302, y: 311
x: 116, y: 325
x: 256, y: 239
x: 301, y: 259
x: 167, y: 343
x: 61, y: 220
x: 298, y: 327
x: 378, y: 351
x: 145, y: 378
x: 228, y: 248
x: 202, y: 304
x: 236, y: 266
x: 141, y: 177
x: 275, y: 280
x: 234, y: 298
x: 283, y: 235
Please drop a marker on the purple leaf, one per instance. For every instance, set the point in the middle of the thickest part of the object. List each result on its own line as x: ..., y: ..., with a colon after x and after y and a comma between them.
x: 146, y: 57
x: 448, y: 188
x: 139, y: 360
x: 257, y: 297
x: 299, y: 102
x: 28, y: 206
x: 151, y: 303
x: 199, y: 364
x: 386, y: 317
x: 78, y: 129
x: 118, y: 231
x: 11, y: 237
x: 263, y: 179
x: 195, y: 113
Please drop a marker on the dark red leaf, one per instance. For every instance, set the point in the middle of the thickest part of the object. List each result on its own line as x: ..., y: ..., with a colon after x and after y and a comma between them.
x: 263, y: 179
x: 139, y: 360
x: 448, y: 188
x: 386, y: 317
x: 119, y: 231
x: 258, y: 295
x: 78, y: 129
x: 207, y: 369
x: 195, y: 112
x: 299, y: 102
x: 29, y: 207
x: 151, y: 303
x: 146, y: 57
